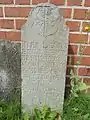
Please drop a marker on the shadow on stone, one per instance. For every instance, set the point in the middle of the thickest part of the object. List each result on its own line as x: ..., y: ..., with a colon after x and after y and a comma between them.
x: 10, y: 70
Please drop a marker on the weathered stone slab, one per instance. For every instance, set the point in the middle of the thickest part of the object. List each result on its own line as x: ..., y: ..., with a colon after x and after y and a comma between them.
x: 10, y: 67
x: 44, y: 57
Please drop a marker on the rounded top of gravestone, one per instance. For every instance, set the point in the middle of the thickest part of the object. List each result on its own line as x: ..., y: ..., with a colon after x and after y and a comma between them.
x: 46, y: 5
x: 44, y: 20
x: 46, y: 10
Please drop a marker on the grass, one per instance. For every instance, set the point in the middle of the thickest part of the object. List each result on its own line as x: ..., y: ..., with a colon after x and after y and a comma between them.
x: 10, y: 111
x: 77, y: 109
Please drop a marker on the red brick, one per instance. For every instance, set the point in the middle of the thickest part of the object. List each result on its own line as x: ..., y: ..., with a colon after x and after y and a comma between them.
x: 89, y: 38
x: 6, y: 24
x: 72, y: 49
x: 39, y: 1
x: 66, y: 12
x: 10, y: 35
x: 73, y: 26
x: 87, y: 81
x: 80, y: 14
x: 74, y: 2
x: 85, y: 61
x: 17, y: 11
x: 78, y: 38
x: 2, y: 35
x: 84, y: 71
x: 19, y: 23
x: 22, y: 2
x: 87, y: 3
x: 6, y: 1
x: 69, y: 70
x: 58, y: 2
x: 85, y: 50
x: 1, y: 12
x: 84, y: 25
x: 72, y: 60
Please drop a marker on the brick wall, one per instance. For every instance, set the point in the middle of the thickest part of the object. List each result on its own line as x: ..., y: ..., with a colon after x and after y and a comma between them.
x: 13, y: 14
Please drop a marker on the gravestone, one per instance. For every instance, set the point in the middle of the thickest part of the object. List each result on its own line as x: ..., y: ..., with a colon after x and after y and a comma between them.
x: 10, y: 68
x: 43, y: 57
